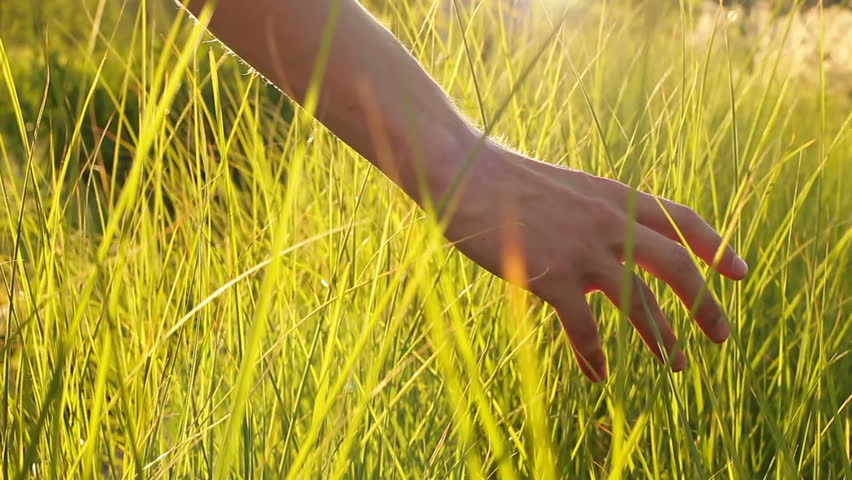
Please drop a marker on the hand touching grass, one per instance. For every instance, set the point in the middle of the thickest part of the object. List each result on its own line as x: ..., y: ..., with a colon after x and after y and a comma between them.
x: 571, y: 231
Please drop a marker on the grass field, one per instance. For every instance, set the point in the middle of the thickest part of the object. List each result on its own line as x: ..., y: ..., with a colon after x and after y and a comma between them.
x: 198, y: 281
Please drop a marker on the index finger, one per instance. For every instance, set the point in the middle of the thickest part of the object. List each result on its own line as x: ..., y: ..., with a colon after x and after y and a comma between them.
x: 672, y: 220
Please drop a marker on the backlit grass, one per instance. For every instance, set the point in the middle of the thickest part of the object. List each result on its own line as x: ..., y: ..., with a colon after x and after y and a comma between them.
x: 197, y: 280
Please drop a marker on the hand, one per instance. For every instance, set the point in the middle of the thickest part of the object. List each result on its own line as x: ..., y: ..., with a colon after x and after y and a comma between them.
x: 568, y: 228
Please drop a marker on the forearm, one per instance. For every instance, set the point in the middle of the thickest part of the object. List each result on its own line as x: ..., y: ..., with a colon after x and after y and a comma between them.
x: 556, y: 231
x: 373, y: 95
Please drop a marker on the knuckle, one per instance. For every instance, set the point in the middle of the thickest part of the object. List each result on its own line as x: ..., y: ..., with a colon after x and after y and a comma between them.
x: 686, y: 217
x: 597, y: 267
x: 603, y: 216
x: 680, y: 260
x: 547, y: 288
x: 610, y: 186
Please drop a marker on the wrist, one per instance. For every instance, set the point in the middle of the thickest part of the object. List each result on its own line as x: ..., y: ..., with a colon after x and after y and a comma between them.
x: 448, y: 164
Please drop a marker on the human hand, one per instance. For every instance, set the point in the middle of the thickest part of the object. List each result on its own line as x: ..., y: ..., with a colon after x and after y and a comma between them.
x: 569, y: 230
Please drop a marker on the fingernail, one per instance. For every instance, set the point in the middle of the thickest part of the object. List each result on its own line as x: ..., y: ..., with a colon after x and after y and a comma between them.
x: 679, y: 362
x: 602, y: 372
x: 597, y: 374
x: 723, y: 331
x: 740, y: 267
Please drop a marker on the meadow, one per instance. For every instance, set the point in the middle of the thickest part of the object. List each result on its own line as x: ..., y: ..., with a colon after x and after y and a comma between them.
x: 197, y: 280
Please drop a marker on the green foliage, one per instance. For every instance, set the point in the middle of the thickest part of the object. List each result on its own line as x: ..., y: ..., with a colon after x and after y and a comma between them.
x: 779, y: 4
x: 153, y: 240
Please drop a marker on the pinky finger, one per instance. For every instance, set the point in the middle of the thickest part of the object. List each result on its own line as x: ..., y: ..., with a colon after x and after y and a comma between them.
x: 582, y: 331
x: 646, y: 316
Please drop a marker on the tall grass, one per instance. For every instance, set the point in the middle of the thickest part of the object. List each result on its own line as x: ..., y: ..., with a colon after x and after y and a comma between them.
x: 197, y: 280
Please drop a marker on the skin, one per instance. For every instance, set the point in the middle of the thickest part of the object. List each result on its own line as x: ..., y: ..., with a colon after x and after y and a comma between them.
x: 558, y: 232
